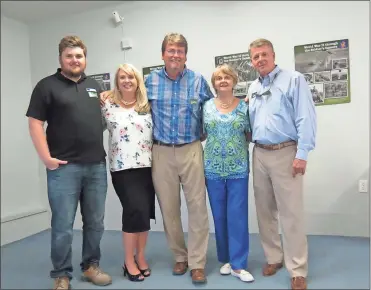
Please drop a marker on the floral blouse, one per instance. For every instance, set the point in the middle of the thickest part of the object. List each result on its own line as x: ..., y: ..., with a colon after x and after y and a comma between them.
x: 130, y: 137
x: 226, y: 152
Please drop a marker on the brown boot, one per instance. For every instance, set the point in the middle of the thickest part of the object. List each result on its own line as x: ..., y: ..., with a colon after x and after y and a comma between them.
x: 62, y: 283
x: 180, y: 268
x: 95, y: 275
x: 298, y: 283
x: 198, y: 276
x: 271, y: 269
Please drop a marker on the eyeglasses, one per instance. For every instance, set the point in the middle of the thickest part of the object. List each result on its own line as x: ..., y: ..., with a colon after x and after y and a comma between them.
x: 173, y: 51
x: 265, y: 91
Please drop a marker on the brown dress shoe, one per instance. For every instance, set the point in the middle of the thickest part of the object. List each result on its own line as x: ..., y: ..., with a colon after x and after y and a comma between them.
x: 298, y: 283
x: 271, y: 269
x: 198, y: 276
x: 180, y: 268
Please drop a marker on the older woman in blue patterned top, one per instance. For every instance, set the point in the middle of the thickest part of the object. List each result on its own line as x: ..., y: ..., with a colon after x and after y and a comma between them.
x: 226, y: 162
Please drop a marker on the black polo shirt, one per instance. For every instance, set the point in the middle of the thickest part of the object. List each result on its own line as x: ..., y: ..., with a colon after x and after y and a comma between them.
x: 72, y: 111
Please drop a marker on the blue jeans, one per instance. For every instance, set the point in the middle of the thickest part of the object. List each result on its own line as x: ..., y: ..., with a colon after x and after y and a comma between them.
x: 67, y: 185
x: 229, y: 206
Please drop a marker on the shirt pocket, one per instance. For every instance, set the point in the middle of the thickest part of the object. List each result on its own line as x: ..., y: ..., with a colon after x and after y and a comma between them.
x: 188, y: 107
x: 193, y: 106
x: 275, y: 105
x: 274, y: 101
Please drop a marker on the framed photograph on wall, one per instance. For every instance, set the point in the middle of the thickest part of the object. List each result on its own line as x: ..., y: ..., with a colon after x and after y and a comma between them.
x: 325, y: 66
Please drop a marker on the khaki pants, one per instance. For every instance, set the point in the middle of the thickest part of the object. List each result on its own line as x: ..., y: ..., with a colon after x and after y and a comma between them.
x: 172, y: 167
x: 278, y: 192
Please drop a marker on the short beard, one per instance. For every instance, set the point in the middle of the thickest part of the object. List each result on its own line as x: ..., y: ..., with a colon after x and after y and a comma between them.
x: 72, y: 74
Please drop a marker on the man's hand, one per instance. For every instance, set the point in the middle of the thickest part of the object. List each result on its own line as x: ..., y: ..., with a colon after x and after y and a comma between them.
x: 53, y: 163
x: 103, y: 97
x: 298, y: 166
x: 247, y: 99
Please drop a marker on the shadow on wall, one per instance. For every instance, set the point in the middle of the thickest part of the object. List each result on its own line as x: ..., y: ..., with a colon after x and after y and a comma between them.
x: 346, y: 199
x: 350, y: 213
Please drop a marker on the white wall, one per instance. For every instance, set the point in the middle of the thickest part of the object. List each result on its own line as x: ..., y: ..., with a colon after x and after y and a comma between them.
x: 332, y: 203
x: 23, y: 201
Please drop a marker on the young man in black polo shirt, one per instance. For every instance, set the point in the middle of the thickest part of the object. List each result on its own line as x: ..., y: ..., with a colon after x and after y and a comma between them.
x: 73, y: 153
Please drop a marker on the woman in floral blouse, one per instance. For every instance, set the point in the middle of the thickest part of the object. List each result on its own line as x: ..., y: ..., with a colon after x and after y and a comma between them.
x: 126, y: 113
x: 226, y: 162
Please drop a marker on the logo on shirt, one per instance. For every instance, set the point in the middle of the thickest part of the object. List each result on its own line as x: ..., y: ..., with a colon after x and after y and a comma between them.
x: 92, y: 93
x: 193, y: 101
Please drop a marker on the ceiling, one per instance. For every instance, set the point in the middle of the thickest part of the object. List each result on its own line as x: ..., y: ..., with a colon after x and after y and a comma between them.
x: 32, y: 11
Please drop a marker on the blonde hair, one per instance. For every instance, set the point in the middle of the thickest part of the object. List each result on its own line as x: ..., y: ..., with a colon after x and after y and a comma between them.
x: 176, y: 38
x: 71, y: 41
x: 261, y: 42
x: 142, y: 105
x: 226, y: 69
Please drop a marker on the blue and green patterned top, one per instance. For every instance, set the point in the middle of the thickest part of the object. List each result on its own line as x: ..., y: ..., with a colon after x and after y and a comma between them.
x: 226, y: 153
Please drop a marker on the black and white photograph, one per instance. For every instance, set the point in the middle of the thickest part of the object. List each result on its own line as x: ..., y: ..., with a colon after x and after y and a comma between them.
x: 147, y: 70
x: 339, y: 63
x: 308, y: 77
x: 315, y: 61
x: 317, y: 93
x: 322, y: 76
x: 336, y: 90
x: 328, y: 62
x: 321, y: 56
x: 339, y: 75
x: 241, y: 62
x: 103, y: 80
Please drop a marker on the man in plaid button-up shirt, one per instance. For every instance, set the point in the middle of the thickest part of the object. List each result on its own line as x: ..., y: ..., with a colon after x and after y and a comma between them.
x: 177, y: 94
x: 176, y: 105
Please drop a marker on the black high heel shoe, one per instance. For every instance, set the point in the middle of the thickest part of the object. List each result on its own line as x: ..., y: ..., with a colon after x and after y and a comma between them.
x: 133, y: 278
x: 145, y: 272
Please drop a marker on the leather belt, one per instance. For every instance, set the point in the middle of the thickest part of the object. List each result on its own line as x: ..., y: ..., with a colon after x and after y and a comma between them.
x: 276, y: 146
x: 167, y: 144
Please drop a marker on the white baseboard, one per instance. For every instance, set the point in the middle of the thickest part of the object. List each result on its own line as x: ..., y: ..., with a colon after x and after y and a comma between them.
x: 17, y: 227
x: 339, y: 224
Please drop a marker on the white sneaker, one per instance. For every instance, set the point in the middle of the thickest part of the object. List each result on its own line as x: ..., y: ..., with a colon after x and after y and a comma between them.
x: 225, y: 269
x: 243, y: 275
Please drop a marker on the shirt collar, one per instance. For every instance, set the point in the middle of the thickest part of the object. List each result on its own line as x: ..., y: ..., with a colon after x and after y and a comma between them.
x: 270, y: 77
x: 63, y: 78
x: 185, y: 70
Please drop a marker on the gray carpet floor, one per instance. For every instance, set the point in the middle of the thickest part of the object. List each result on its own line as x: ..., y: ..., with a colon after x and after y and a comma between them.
x: 334, y: 263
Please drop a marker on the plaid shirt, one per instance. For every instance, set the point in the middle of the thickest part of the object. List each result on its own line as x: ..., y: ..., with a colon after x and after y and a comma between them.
x: 177, y: 105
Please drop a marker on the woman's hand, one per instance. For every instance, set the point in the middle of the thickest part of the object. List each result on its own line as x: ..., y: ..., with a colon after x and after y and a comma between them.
x: 103, y: 97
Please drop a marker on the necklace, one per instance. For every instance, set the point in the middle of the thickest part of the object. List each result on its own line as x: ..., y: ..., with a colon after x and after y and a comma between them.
x: 128, y: 103
x: 225, y: 105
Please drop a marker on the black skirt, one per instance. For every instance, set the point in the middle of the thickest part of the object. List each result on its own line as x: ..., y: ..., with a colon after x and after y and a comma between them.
x: 134, y: 188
